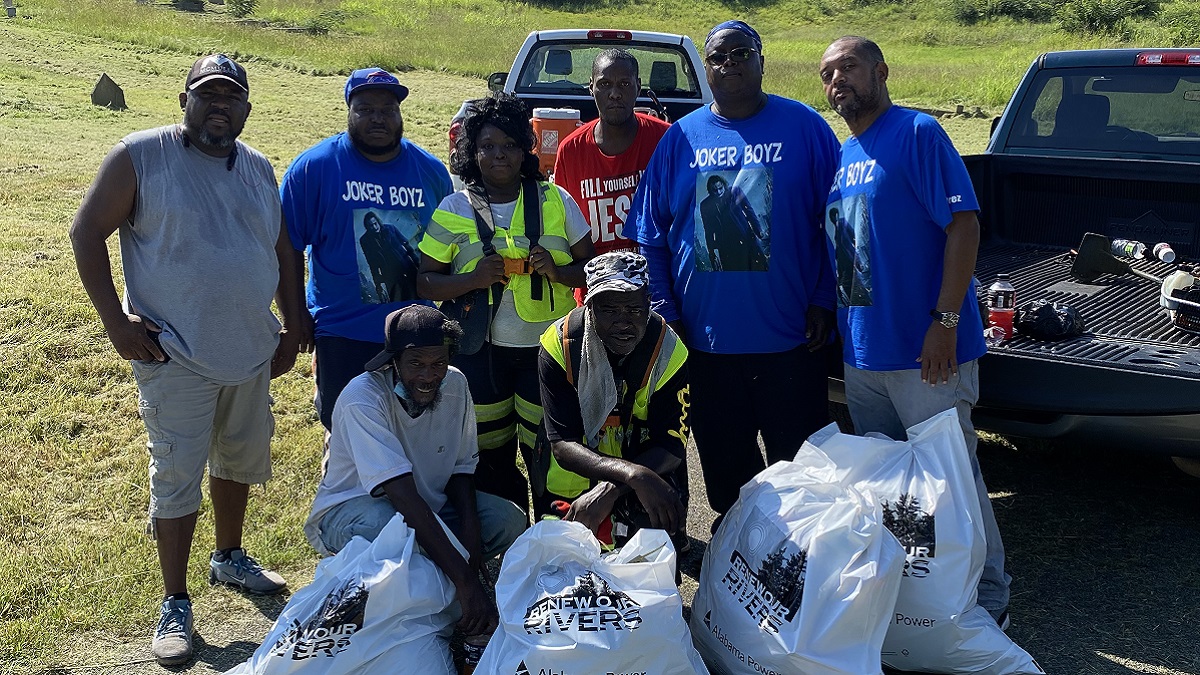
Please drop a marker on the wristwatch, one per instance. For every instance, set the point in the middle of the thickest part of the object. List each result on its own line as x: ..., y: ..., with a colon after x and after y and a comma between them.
x: 947, y: 319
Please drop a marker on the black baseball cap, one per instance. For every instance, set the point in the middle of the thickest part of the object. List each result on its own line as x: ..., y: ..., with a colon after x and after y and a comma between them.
x: 411, y: 326
x: 217, y: 67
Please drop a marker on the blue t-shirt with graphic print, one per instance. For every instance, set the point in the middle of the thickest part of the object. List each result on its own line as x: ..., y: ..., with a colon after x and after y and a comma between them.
x: 728, y: 214
x: 898, y: 186
x: 360, y: 222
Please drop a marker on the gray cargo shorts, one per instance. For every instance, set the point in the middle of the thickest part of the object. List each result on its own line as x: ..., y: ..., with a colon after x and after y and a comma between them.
x: 192, y: 422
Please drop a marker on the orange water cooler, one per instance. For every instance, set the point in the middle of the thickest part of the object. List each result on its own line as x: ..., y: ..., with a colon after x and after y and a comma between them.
x: 550, y: 127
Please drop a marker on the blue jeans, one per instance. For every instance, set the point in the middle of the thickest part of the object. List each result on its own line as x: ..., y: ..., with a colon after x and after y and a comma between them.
x: 891, y: 401
x: 500, y: 522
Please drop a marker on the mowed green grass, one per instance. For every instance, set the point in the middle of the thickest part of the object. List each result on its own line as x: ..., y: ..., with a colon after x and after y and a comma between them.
x: 936, y: 60
x: 75, y: 568
x: 73, y: 559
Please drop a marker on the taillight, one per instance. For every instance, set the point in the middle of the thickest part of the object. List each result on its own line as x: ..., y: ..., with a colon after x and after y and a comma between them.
x: 609, y: 35
x: 455, y: 130
x: 1168, y: 59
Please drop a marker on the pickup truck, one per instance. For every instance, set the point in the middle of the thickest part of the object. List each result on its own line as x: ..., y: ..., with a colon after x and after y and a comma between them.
x: 553, y: 67
x: 1102, y: 141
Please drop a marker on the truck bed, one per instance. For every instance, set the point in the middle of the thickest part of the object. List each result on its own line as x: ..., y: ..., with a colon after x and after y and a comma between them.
x: 1126, y: 328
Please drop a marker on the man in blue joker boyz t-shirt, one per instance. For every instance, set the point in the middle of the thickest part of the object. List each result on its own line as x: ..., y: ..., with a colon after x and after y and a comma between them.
x: 728, y: 215
x: 902, y: 219
x: 359, y: 202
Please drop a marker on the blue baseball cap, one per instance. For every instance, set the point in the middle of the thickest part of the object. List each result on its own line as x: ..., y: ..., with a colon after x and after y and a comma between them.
x: 374, y: 78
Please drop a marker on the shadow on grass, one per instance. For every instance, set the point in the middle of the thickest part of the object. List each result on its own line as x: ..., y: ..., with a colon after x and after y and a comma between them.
x: 1102, y: 546
x: 219, y: 658
x: 270, y: 606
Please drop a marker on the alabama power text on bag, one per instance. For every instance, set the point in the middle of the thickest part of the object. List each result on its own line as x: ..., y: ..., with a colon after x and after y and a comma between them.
x: 928, y: 494
x: 370, y: 607
x: 565, y: 608
x: 800, y: 577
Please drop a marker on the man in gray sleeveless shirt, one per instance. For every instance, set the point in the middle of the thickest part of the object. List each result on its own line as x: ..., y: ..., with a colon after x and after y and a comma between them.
x: 203, y: 253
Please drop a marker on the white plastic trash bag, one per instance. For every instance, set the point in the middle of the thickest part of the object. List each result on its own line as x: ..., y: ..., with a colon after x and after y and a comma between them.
x: 800, y: 578
x: 370, y: 607
x: 565, y: 608
x: 928, y: 494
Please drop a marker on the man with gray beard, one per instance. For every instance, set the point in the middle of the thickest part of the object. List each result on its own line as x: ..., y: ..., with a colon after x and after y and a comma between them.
x: 203, y: 254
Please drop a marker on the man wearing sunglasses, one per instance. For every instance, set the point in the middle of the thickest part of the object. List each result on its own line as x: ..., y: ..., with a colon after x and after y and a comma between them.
x: 729, y: 217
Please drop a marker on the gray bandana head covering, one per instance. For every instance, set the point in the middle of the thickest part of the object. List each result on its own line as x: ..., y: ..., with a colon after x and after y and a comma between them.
x: 615, y: 271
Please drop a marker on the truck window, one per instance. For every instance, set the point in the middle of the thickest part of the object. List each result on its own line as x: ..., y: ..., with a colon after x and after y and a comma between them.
x: 566, y: 68
x: 1132, y: 111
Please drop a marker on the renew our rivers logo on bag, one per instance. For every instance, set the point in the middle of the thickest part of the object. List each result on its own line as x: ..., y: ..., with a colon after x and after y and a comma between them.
x: 588, y: 604
x: 329, y: 630
x: 770, y: 590
x: 914, y: 528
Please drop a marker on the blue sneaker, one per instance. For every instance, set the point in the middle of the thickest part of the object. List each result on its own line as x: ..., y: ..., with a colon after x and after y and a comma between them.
x: 172, y: 644
x: 241, y: 571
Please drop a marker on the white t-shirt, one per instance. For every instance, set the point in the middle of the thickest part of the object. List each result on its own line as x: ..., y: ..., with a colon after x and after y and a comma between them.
x: 375, y: 440
x: 508, y: 328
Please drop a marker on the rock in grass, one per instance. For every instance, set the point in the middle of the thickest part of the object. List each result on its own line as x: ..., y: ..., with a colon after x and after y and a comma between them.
x: 108, y: 94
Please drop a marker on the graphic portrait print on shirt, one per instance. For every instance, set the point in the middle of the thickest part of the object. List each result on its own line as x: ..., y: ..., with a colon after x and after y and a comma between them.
x: 733, y: 220
x: 848, y: 225
x: 387, y: 254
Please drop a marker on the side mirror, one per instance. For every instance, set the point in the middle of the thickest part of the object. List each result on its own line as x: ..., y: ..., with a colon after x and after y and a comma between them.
x: 495, y: 81
x: 995, y: 123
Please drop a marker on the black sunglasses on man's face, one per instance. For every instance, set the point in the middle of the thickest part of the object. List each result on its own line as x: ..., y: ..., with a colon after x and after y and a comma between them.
x: 739, y: 55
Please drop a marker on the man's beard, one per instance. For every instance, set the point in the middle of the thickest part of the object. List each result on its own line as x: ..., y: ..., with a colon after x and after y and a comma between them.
x: 858, y: 104
x: 413, y: 407
x: 376, y: 150
x: 195, y: 123
x: 222, y: 142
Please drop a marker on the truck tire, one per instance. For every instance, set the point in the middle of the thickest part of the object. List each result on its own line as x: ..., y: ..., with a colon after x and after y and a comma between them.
x: 1188, y: 465
x: 839, y: 413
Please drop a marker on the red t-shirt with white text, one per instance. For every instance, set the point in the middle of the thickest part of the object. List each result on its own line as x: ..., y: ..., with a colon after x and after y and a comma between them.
x: 603, y: 186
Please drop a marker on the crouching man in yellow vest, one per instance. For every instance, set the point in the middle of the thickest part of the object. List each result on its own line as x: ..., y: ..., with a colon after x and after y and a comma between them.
x: 614, y: 387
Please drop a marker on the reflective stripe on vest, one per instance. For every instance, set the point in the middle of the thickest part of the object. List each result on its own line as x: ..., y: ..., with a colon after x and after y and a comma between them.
x: 453, y: 239
x: 671, y: 356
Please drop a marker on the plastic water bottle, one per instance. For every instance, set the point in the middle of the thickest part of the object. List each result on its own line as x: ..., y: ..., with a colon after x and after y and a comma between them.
x: 473, y: 647
x: 1127, y: 248
x: 1164, y: 252
x: 1002, y: 305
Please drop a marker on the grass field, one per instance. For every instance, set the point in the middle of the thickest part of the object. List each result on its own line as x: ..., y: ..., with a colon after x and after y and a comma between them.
x: 936, y: 60
x: 76, y: 574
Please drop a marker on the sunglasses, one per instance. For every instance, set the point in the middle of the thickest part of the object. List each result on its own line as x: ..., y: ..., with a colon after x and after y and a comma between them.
x: 739, y: 55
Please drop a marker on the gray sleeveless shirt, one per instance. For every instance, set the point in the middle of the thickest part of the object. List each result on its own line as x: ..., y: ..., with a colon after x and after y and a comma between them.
x: 199, y: 254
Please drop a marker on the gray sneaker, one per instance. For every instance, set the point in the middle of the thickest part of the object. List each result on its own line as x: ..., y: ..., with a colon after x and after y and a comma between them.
x: 241, y: 571
x: 172, y: 644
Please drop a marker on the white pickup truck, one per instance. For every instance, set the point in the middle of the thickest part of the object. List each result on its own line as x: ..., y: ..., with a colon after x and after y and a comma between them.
x: 553, y: 67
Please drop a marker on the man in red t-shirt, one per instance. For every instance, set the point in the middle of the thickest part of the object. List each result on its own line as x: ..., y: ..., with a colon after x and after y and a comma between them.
x: 601, y: 162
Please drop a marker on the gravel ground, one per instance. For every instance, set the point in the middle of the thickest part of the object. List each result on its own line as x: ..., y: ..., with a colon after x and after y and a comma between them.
x: 1104, y: 548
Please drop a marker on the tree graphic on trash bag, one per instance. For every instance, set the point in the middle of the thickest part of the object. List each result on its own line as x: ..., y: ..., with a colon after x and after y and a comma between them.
x: 345, y: 606
x: 910, y: 524
x: 783, y: 576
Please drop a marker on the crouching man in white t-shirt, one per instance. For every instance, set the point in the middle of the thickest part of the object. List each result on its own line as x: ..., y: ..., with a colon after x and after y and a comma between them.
x: 403, y: 441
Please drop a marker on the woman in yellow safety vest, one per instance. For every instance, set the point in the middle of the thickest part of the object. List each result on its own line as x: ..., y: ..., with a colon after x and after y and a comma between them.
x: 488, y: 236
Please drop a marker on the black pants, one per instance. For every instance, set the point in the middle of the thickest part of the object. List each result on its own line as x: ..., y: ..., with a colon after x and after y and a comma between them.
x: 339, y: 360
x: 735, y: 397
x: 508, y: 406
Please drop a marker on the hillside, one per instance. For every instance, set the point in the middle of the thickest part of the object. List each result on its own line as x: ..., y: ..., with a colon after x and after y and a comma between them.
x: 944, y: 51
